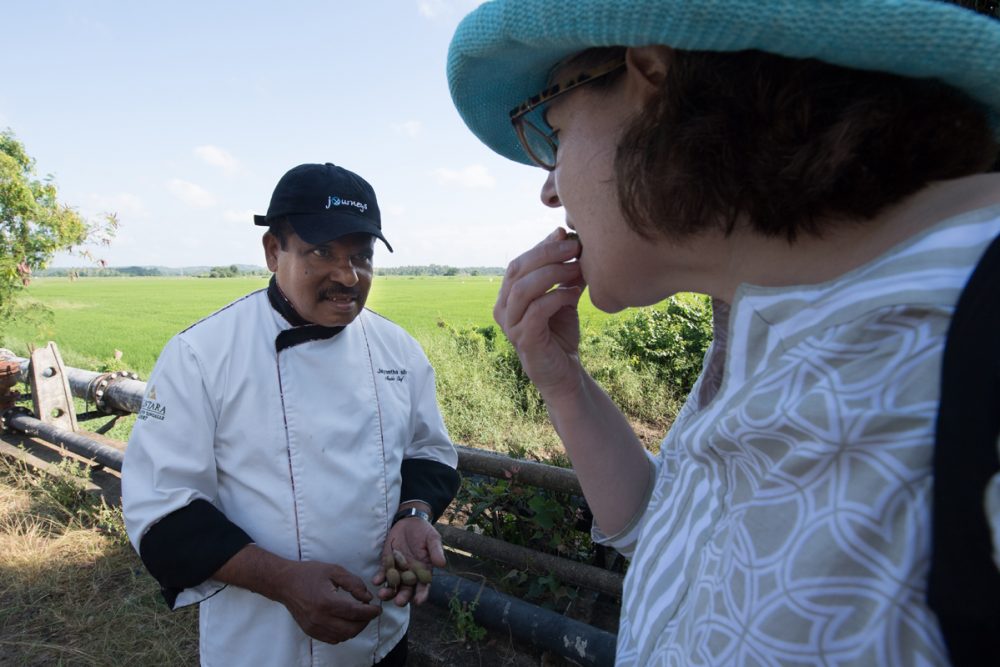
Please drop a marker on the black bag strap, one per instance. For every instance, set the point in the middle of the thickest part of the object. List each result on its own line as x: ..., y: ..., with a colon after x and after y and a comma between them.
x: 963, y: 587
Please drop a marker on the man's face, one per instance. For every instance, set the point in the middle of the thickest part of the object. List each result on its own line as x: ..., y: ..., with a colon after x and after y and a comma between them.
x: 327, y: 284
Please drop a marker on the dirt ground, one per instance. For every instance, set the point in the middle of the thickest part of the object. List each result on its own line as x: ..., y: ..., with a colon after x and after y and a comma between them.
x: 433, y: 644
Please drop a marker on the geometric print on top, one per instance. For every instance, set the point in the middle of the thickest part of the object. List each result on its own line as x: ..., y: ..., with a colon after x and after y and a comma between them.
x: 790, y: 519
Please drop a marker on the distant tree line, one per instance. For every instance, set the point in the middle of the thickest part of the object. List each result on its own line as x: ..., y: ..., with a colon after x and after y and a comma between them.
x: 234, y: 270
x: 438, y: 270
x: 99, y: 272
x: 143, y: 271
x: 230, y: 271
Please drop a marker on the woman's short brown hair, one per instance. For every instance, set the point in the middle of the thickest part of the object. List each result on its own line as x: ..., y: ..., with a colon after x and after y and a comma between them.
x: 787, y: 145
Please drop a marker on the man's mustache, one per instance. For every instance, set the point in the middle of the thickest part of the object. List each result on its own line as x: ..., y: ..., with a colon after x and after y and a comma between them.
x: 339, y: 290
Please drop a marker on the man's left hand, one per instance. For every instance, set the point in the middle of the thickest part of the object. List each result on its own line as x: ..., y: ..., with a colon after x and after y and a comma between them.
x: 419, y: 543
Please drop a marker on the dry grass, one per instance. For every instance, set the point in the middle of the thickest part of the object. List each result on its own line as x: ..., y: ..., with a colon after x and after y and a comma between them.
x: 72, y: 591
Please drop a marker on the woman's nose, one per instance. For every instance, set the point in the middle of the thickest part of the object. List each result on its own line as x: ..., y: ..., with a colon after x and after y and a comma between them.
x: 549, y: 195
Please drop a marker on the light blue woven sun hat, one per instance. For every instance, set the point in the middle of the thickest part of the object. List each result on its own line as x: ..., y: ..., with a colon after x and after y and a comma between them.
x: 502, y: 52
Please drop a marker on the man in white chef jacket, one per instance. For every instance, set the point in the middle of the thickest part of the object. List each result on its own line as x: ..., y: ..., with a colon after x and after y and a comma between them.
x: 289, y: 440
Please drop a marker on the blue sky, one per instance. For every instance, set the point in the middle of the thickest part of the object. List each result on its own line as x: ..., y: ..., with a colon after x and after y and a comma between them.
x: 180, y: 117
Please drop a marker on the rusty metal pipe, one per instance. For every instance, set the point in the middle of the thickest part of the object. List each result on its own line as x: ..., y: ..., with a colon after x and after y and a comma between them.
x: 76, y: 442
x: 542, y: 475
x: 568, y: 571
x: 126, y: 395
x: 122, y: 394
x: 582, y: 643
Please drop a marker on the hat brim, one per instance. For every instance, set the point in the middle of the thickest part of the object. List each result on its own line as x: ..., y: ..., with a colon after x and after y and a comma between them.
x: 501, y: 53
x: 323, y: 228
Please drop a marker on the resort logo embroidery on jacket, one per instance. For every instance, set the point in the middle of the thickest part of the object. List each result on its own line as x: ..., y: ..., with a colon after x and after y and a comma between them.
x: 151, y: 408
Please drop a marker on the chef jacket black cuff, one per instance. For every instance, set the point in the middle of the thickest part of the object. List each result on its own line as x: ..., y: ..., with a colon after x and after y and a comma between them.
x: 433, y: 482
x: 188, y: 546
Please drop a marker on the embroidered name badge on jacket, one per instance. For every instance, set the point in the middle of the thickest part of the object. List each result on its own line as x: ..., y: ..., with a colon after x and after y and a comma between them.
x: 392, y: 374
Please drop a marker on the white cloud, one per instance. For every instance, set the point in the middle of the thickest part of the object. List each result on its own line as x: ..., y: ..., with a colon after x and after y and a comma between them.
x: 190, y: 193
x: 430, y: 8
x: 473, y: 176
x: 409, y: 128
x: 125, y: 204
x: 218, y: 157
x: 238, y: 216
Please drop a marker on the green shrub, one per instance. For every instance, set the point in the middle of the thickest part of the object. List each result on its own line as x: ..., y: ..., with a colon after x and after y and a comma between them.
x: 638, y: 392
x: 539, y: 519
x: 463, y: 622
x: 482, y: 400
x: 670, y: 340
x: 647, y: 362
x: 487, y: 345
x: 525, y: 515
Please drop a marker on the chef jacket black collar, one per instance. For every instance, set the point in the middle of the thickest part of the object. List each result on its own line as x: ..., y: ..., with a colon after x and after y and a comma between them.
x: 302, y: 330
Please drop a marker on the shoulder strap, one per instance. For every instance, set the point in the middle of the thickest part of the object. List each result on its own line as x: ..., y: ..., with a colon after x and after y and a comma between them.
x: 963, y: 586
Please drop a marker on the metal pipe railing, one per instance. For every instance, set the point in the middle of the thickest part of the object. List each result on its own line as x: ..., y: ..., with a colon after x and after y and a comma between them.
x: 532, y: 473
x: 76, y: 442
x: 123, y: 394
x: 572, y: 572
x: 523, y: 558
x: 564, y: 636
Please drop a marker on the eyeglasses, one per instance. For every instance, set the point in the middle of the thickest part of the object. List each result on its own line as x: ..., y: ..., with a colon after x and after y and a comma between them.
x: 538, y: 143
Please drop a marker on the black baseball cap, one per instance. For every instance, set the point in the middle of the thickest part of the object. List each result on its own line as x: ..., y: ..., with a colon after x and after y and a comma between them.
x: 323, y: 202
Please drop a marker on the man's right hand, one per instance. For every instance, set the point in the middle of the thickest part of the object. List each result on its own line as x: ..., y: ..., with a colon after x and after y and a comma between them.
x: 328, y: 602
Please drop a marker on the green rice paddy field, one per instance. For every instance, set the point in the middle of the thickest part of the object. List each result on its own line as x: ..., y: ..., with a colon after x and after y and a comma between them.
x: 90, y: 318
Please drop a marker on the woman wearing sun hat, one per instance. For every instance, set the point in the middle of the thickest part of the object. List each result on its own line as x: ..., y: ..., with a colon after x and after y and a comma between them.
x: 820, y: 169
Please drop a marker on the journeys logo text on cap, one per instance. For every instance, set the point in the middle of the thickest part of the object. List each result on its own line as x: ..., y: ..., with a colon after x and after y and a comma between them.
x: 323, y: 202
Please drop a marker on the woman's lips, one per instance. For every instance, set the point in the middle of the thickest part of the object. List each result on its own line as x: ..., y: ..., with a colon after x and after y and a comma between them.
x: 571, y: 236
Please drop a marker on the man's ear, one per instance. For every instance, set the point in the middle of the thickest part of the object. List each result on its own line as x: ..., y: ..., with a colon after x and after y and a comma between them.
x: 647, y: 68
x: 271, y: 247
